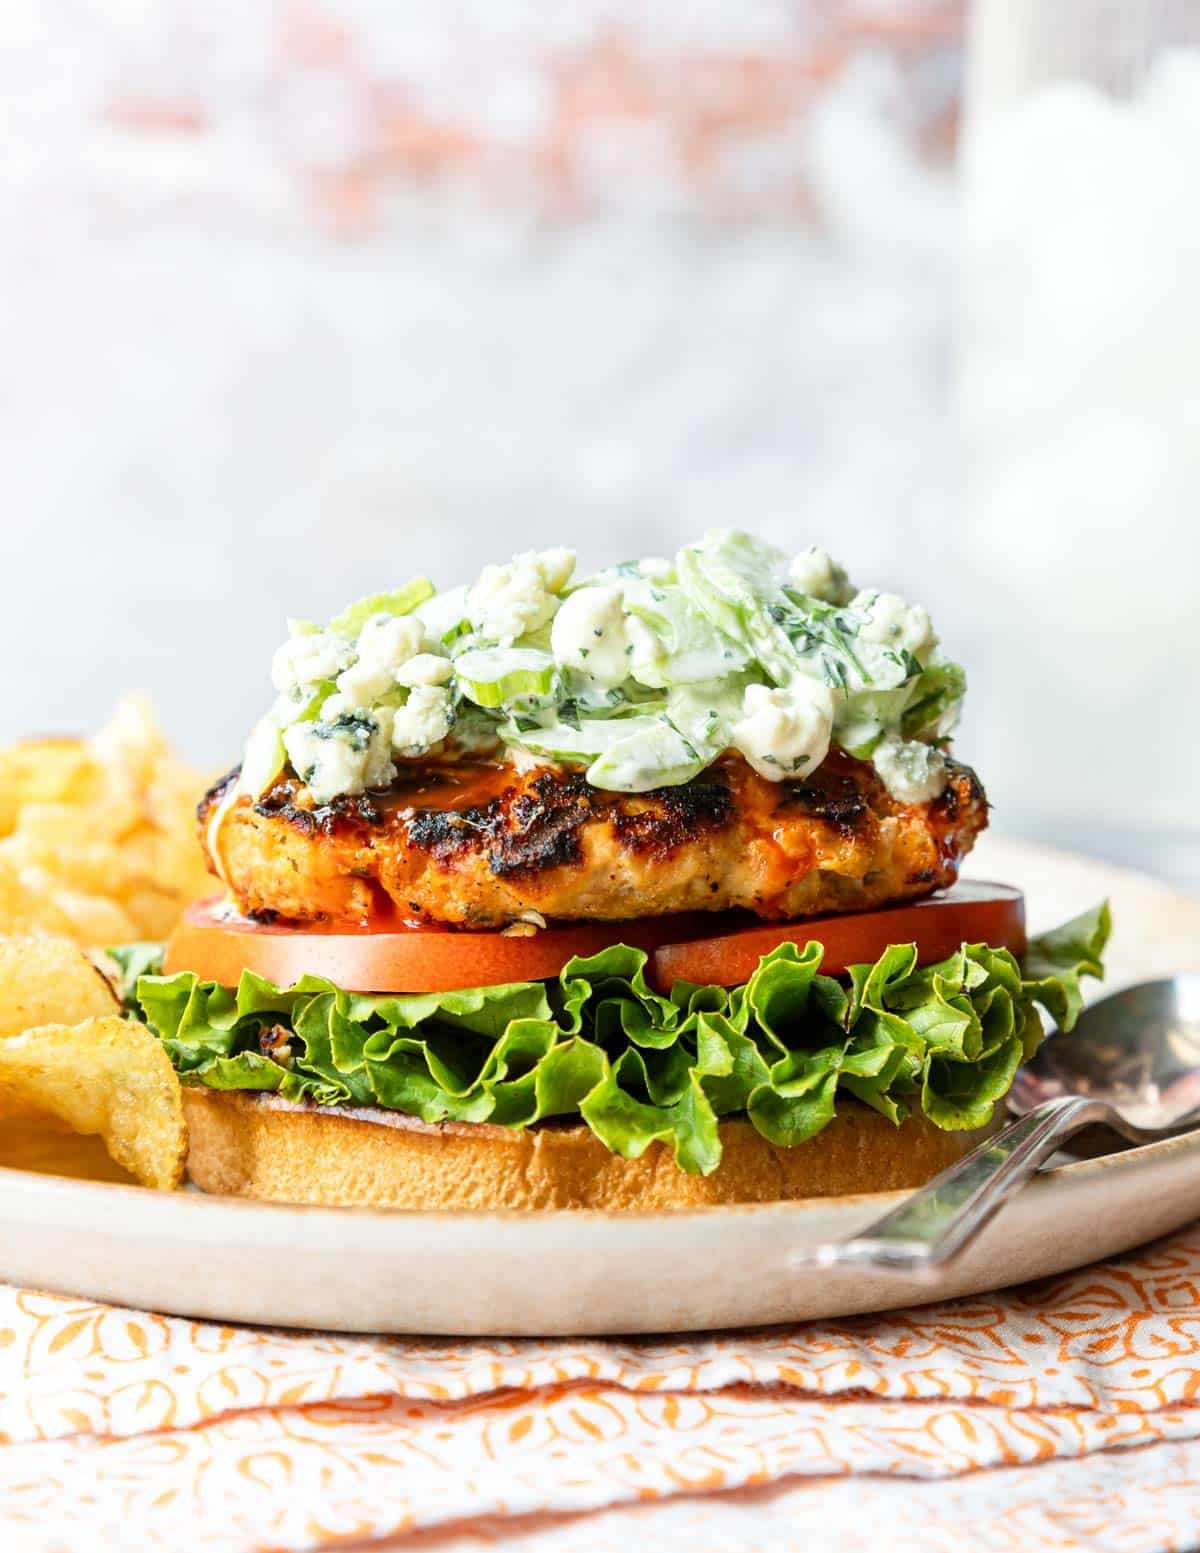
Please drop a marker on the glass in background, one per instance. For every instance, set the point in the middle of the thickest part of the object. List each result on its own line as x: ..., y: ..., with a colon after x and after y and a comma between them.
x: 1080, y: 405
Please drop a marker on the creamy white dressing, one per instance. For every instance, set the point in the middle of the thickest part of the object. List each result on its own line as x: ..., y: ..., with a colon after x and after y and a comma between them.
x: 785, y: 732
x: 590, y: 635
x: 893, y: 623
x: 645, y: 673
x: 212, y: 831
x: 815, y: 572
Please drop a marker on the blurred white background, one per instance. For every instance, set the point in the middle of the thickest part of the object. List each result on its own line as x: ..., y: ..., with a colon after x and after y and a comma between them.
x: 300, y: 298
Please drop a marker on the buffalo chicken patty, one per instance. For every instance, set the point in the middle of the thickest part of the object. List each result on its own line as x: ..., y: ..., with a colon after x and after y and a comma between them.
x: 484, y: 845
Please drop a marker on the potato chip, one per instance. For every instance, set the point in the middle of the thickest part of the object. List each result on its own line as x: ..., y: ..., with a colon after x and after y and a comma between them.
x: 31, y: 1140
x: 153, y: 913
x: 46, y: 771
x: 98, y: 837
x: 49, y: 981
x: 95, y: 920
x: 98, y: 868
x: 80, y: 825
x: 23, y: 910
x: 109, y: 1078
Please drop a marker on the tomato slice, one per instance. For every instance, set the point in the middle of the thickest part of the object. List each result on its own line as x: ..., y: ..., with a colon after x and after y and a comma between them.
x: 971, y: 912
x: 218, y: 944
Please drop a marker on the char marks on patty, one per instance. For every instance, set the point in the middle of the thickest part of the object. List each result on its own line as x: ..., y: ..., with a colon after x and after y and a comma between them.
x: 351, y: 811
x: 674, y: 816
x: 529, y: 830
x: 834, y: 797
x: 481, y: 844
x: 522, y: 831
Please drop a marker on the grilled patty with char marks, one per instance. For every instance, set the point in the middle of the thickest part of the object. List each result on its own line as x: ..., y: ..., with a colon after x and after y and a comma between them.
x: 482, y: 844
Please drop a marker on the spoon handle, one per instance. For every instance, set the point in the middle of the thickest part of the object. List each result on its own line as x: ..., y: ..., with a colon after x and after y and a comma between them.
x: 934, y: 1224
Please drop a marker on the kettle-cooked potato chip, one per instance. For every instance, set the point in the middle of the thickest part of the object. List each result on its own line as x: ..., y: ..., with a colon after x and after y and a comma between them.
x: 47, y: 981
x: 98, y: 836
x: 106, y: 1077
x: 45, y: 771
x: 34, y: 1141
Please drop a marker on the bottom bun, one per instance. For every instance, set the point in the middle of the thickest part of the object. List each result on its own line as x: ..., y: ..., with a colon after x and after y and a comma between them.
x: 247, y: 1145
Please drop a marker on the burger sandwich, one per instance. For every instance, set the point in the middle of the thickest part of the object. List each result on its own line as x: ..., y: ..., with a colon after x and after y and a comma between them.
x: 632, y: 891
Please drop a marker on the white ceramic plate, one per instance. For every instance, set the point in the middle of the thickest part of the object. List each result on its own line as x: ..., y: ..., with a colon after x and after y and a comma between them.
x: 576, y: 1273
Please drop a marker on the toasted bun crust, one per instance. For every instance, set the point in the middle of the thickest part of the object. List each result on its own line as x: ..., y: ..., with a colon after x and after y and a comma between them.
x: 260, y: 1146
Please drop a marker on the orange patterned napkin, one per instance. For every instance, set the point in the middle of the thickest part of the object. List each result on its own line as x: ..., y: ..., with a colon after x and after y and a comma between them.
x: 131, y: 1431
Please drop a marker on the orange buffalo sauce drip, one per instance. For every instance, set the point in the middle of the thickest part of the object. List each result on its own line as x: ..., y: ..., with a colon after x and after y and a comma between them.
x: 465, y: 785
